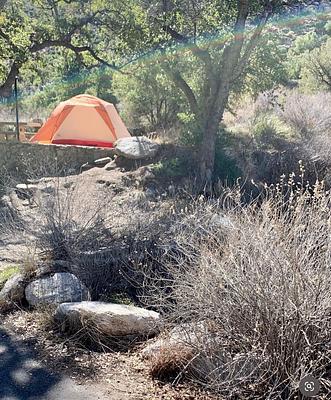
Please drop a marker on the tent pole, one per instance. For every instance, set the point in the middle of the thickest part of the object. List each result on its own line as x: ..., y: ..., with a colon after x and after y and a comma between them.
x: 16, y: 101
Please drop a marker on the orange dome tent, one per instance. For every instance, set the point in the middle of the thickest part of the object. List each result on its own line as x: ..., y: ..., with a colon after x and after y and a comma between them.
x: 82, y: 121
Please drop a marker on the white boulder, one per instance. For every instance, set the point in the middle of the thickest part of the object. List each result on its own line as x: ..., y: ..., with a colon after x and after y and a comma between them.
x: 108, y: 318
x: 135, y: 148
x: 62, y: 287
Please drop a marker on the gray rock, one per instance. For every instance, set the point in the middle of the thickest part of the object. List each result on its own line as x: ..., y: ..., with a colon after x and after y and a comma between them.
x: 85, y: 167
x: 109, y: 319
x: 222, y: 221
x: 27, y: 191
x: 51, y: 268
x: 136, y: 148
x: 13, y: 292
x: 181, y: 337
x: 60, y: 288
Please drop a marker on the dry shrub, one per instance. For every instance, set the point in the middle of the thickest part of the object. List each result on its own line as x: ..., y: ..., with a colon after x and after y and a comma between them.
x: 287, y: 126
x: 308, y: 114
x: 117, y: 270
x: 68, y: 225
x: 260, y: 276
x: 248, y: 108
x: 169, y: 363
x: 44, y: 317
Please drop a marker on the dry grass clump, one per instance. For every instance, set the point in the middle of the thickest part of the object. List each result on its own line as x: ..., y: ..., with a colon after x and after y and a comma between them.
x: 260, y: 275
x: 169, y: 363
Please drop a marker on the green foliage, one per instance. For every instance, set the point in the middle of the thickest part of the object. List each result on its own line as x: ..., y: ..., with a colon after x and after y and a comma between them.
x: 7, y: 273
x: 309, y: 41
x: 302, y: 47
x: 269, y: 131
x: 226, y: 168
x: 316, y: 69
x: 43, y: 38
x: 147, y: 97
x: 170, y: 168
x: 190, y: 131
x: 266, y: 68
x: 66, y: 82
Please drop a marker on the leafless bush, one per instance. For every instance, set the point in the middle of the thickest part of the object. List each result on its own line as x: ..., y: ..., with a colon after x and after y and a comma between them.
x: 69, y: 226
x: 309, y: 115
x: 259, y: 277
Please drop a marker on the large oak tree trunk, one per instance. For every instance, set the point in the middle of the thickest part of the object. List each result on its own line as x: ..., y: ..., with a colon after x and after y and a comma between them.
x: 213, y: 117
x: 207, y: 150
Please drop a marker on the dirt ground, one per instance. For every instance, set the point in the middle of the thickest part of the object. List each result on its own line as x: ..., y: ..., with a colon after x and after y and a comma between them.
x: 111, y: 375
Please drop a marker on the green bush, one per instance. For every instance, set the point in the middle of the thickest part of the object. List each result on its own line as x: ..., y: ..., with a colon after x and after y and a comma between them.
x: 225, y: 168
x: 190, y: 132
x: 269, y: 131
x: 148, y: 98
x: 299, y: 50
x: 171, y: 168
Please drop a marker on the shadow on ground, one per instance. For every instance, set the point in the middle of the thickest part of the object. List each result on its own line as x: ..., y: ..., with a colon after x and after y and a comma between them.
x: 24, y: 377
x: 21, y: 376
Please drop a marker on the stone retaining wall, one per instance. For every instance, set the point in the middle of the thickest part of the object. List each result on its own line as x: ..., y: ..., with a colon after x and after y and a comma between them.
x: 21, y: 160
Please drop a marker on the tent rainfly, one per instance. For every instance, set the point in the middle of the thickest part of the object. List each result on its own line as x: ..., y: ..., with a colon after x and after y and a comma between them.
x: 83, y: 120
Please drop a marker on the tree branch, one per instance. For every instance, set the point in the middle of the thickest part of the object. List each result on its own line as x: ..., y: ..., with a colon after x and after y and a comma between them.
x: 65, y: 41
x: 321, y: 71
x: 180, y: 82
x: 250, y: 48
x: 6, y: 88
x: 203, y: 55
x: 76, y: 49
